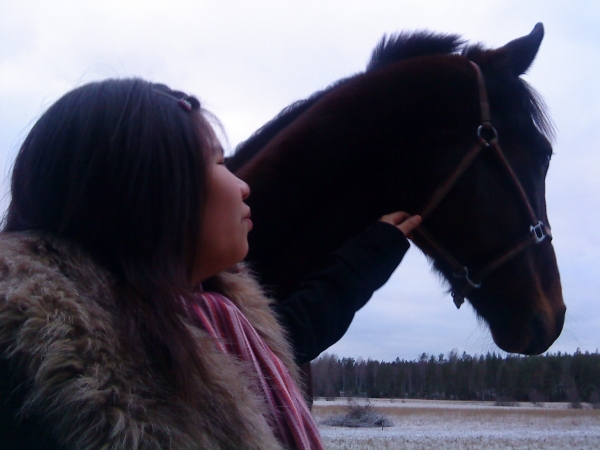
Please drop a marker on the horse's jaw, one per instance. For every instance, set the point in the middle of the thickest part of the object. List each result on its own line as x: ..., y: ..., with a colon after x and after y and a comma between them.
x: 521, y: 302
x: 534, y: 323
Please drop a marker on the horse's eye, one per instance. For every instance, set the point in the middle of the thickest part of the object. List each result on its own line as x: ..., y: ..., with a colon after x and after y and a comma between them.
x: 544, y: 151
x: 544, y: 161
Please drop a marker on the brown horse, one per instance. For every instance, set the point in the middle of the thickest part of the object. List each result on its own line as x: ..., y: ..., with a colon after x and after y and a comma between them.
x: 404, y: 135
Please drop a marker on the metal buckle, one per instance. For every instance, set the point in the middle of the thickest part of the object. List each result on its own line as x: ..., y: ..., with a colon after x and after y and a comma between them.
x: 487, y: 133
x: 458, y: 296
x: 467, y: 278
x: 472, y: 283
x: 538, y: 232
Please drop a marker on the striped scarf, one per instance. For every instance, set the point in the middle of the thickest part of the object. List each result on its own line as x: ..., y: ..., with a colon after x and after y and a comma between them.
x: 288, y: 415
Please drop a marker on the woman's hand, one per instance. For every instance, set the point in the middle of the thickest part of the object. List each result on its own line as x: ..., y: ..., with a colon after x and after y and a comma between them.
x: 403, y: 221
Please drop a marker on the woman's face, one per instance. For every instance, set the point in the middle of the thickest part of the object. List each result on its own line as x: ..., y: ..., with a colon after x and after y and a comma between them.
x: 224, y: 237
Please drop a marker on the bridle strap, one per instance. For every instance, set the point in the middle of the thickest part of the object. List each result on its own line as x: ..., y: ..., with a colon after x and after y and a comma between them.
x: 487, y: 137
x: 516, y: 181
x: 459, y: 270
x: 441, y: 192
x: 481, y: 143
x: 484, y: 104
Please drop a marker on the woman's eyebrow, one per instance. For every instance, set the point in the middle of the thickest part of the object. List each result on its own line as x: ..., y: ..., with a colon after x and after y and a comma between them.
x: 217, y: 150
x: 220, y: 153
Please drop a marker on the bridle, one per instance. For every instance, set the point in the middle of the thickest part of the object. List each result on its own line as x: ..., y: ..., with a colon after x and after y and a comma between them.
x: 487, y: 139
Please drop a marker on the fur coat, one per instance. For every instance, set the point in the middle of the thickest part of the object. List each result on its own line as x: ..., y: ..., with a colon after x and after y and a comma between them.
x: 71, y: 375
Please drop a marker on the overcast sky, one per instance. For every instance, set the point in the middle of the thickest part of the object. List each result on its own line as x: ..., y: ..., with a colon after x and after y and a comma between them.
x: 247, y: 60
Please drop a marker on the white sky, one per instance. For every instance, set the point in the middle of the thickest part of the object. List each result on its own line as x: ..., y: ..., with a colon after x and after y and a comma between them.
x: 248, y: 59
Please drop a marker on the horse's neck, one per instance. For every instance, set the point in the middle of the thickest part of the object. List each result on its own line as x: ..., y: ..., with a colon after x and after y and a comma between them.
x: 303, y: 214
x: 361, y: 152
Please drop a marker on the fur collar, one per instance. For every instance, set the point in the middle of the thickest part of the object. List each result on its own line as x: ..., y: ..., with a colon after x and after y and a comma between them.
x: 58, y: 333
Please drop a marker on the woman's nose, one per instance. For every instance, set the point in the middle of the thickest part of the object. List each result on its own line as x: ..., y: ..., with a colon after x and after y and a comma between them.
x: 245, y: 189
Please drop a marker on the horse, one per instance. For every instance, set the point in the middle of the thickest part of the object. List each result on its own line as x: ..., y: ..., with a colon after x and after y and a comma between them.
x: 435, y: 126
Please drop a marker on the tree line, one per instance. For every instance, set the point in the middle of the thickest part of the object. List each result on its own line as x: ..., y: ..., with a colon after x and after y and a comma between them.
x: 547, y: 378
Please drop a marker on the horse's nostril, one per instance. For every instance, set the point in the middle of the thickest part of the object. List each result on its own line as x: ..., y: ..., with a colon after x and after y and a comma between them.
x: 543, y: 334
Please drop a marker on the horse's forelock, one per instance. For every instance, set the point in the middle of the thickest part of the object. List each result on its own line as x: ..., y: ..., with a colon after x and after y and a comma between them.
x: 534, y: 103
x: 536, y: 107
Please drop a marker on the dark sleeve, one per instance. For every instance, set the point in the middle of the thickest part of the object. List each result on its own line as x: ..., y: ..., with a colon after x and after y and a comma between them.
x: 318, y: 314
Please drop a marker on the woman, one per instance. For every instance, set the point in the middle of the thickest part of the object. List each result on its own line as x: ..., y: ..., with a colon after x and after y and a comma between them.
x: 125, y: 318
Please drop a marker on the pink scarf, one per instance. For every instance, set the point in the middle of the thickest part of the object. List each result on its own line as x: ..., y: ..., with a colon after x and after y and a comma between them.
x: 289, y: 416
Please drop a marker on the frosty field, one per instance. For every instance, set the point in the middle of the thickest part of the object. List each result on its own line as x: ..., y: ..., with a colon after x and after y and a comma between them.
x: 423, y: 424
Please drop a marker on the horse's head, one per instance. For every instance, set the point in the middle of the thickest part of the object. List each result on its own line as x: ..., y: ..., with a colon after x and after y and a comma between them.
x: 484, y: 223
x: 385, y: 140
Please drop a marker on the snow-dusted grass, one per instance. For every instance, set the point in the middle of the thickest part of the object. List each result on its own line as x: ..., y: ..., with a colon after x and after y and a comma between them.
x: 422, y: 424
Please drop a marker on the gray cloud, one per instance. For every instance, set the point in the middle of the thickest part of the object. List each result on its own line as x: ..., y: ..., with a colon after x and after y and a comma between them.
x: 247, y: 60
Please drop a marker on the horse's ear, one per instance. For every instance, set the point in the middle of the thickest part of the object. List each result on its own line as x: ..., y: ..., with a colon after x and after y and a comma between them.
x: 521, y: 52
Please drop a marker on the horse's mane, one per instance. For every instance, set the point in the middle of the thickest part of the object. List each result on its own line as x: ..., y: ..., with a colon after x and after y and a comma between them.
x: 401, y: 46
x: 389, y: 50
x: 396, y: 47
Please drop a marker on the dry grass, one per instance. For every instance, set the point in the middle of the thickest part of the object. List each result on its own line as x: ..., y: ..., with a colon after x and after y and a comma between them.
x: 491, y: 413
x: 465, y: 425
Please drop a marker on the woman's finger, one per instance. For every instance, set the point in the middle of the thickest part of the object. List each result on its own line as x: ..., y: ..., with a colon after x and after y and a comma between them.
x: 409, y: 224
x: 403, y: 220
x: 395, y: 218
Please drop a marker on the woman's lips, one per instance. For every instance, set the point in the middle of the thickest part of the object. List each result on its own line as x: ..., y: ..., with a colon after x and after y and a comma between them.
x: 249, y: 222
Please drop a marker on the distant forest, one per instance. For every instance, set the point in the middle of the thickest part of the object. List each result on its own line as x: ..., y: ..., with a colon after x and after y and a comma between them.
x: 554, y: 377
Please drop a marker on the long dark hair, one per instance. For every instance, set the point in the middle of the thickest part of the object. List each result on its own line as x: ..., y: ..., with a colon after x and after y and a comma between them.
x: 119, y: 166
